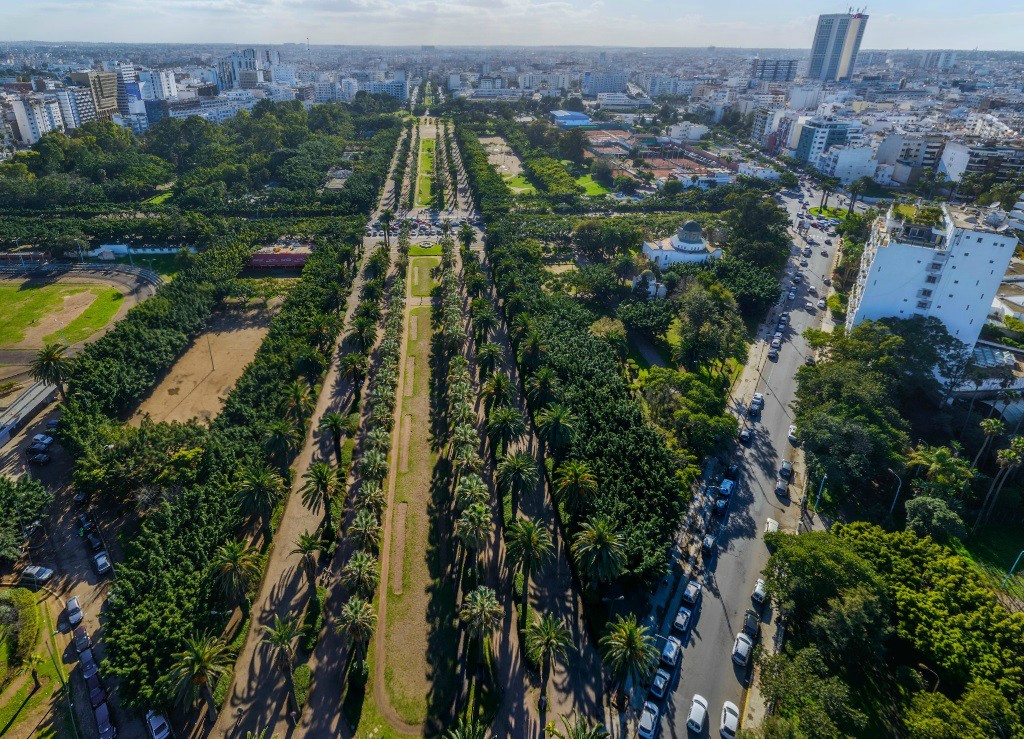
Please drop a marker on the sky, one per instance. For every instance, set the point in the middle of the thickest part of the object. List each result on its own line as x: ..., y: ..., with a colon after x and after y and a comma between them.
x: 893, y: 24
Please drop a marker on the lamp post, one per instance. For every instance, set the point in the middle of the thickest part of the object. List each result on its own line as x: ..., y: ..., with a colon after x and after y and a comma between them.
x: 821, y: 486
x: 1010, y: 573
x: 897, y: 496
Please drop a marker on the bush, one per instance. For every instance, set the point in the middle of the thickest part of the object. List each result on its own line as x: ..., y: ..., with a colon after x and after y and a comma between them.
x: 23, y: 634
x: 302, y: 676
x: 313, y: 622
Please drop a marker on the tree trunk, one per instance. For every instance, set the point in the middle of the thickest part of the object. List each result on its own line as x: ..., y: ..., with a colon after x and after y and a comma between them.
x: 211, y: 706
x: 337, y: 447
x: 988, y: 495
x: 995, y: 498
x: 526, y: 595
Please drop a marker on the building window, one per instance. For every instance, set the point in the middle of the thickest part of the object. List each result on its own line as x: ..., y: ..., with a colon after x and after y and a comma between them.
x: 979, y: 239
x: 922, y: 305
x: 967, y: 254
x: 931, y: 279
x: 926, y: 293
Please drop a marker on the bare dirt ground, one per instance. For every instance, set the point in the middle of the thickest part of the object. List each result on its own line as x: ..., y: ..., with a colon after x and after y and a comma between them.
x: 500, y: 154
x: 200, y: 380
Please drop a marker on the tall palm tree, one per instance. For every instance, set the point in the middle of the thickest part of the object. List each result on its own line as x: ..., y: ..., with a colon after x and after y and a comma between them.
x: 308, y: 546
x: 386, y: 218
x: 487, y: 357
x: 579, y: 727
x: 528, y: 545
x: 335, y: 424
x: 281, y: 636
x: 546, y: 641
x: 943, y: 470
x: 532, y: 348
x: 575, y: 485
x: 469, y: 490
x: 497, y: 389
x: 297, y: 402
x: 365, y: 529
x: 473, y: 527
x: 555, y: 426
x: 481, y: 613
x: 505, y: 425
x: 259, y: 489
x: 202, y: 662
x: 353, y: 368
x: 52, y: 366
x: 364, y: 328
x: 517, y: 474
x: 237, y: 567
x: 321, y: 486
x: 281, y: 439
x: 991, y: 428
x: 1010, y: 459
x: 361, y: 574
x: 542, y: 388
x: 599, y: 550
x: 629, y: 650
x: 358, y: 621
x: 466, y: 729
x: 466, y: 235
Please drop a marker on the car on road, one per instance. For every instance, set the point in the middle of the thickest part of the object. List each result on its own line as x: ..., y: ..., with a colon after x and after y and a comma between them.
x: 721, y: 506
x: 751, y: 623
x: 773, y: 354
x: 88, y: 662
x: 822, y: 303
x: 709, y: 543
x: 809, y: 360
x: 746, y: 435
x: 741, y: 649
x: 659, y: 686
x: 80, y: 636
x: 698, y: 714
x: 786, y: 468
x: 757, y: 400
x: 74, y: 609
x: 647, y: 728
x: 730, y: 723
x: 792, y: 434
x: 776, y: 343
x: 157, y: 726
x: 791, y: 295
x: 781, y: 487
x: 97, y: 693
x: 36, y: 575
x: 692, y: 593
x: 104, y: 726
x: 759, y: 594
x: 671, y: 652
x: 101, y: 562
x: 726, y: 488
x: 803, y: 262
x: 683, y: 619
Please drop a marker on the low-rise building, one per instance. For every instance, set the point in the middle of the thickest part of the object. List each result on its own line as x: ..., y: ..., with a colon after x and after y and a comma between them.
x: 569, y: 118
x: 688, y: 245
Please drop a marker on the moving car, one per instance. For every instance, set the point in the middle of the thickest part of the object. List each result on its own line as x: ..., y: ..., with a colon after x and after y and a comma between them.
x: 758, y: 595
x: 683, y: 619
x: 36, y: 575
x: 74, y: 609
x: 741, y: 649
x: 648, y: 726
x: 670, y: 653
x: 730, y: 723
x: 157, y: 726
x: 692, y: 593
x: 698, y: 714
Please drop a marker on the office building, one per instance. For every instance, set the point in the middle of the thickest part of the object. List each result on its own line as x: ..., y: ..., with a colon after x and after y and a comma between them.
x: 818, y: 134
x: 949, y: 270
x: 836, y: 45
x: 247, y: 68
x: 940, y: 61
x: 960, y: 158
x: 76, y: 106
x: 773, y: 70
x: 103, y: 86
x: 594, y: 83
x: 762, y: 126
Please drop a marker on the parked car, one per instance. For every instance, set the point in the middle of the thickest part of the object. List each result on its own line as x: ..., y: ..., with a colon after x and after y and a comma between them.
x: 771, y: 526
x: 36, y: 575
x: 751, y: 623
x: 786, y: 468
x: 757, y: 400
x: 35, y: 450
x: 101, y: 562
x: 776, y: 343
x: 692, y: 593
x: 85, y: 522
x: 94, y: 541
x: 74, y: 609
x: 791, y: 295
x: 797, y: 279
x: 683, y: 619
x: 648, y: 725
x: 80, y: 636
x: 732, y: 472
x: 727, y: 488
x: 803, y: 262
x: 157, y: 726
x: 730, y: 723
x: 773, y: 354
x: 721, y: 506
x: 698, y: 714
x: 741, y: 649
x: 97, y: 693
x: 822, y: 303
x: 746, y: 435
x: 659, y: 686
x: 781, y: 487
x: 809, y: 360
x: 792, y: 434
x: 88, y: 662
x: 103, y: 724
x: 671, y: 652
x: 42, y: 439
x: 709, y: 543
x: 39, y: 460
x: 783, y: 319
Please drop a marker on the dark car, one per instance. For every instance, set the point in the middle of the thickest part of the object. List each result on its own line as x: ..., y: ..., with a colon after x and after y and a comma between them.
x: 97, y: 693
x: 103, y: 723
x: 732, y: 472
x: 40, y: 460
x: 751, y: 624
x: 809, y: 360
x: 88, y: 661
x: 81, y: 639
x: 85, y: 523
x: 94, y: 541
x: 746, y: 436
x: 36, y: 449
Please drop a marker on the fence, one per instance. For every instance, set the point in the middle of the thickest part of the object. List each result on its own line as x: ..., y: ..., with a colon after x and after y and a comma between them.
x: 138, y: 272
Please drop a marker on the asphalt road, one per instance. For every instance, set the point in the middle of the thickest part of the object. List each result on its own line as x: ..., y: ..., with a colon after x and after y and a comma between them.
x: 729, y: 575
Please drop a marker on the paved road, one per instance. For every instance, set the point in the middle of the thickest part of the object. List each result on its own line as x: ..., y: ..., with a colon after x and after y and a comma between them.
x: 730, y: 574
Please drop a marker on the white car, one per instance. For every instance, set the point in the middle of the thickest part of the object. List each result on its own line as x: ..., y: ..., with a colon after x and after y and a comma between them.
x: 157, y: 726
x: 759, y: 593
x: 730, y: 720
x: 792, y: 433
x: 36, y: 574
x: 757, y: 400
x: 101, y: 561
x: 670, y: 654
x: 74, y: 609
x: 692, y: 592
x: 648, y: 726
x: 741, y: 649
x: 822, y: 303
x: 698, y: 714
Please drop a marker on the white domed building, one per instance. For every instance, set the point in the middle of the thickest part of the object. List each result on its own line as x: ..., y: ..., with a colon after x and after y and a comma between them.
x: 688, y: 245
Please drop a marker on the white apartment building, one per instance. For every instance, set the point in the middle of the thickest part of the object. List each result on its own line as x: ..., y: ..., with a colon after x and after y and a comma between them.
x: 349, y: 86
x: 847, y: 163
x: 76, y: 106
x: 540, y: 81
x: 950, y: 270
x: 455, y: 81
x: 36, y: 116
x: 687, y: 131
x: 159, y: 84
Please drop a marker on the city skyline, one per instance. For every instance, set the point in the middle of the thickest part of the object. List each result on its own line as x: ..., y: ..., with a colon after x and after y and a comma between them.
x: 651, y: 23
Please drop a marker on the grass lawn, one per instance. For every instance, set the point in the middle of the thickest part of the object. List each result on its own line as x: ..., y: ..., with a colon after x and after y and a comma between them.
x: 26, y: 303
x: 24, y: 704
x: 96, y: 316
x: 520, y: 185
x: 423, y: 190
x: 165, y: 265
x: 159, y: 198
x: 838, y: 213
x: 992, y: 553
x: 592, y: 188
x: 417, y: 250
x: 419, y: 275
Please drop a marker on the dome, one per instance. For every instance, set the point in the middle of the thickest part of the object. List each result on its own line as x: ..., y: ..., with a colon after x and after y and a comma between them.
x: 690, y: 232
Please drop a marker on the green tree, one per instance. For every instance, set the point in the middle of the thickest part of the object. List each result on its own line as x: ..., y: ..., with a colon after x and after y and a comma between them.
x: 357, y: 621
x: 576, y: 726
x: 237, y: 566
x: 575, y: 485
x: 202, y: 662
x: 497, y: 390
x: 335, y: 424
x: 473, y: 528
x: 517, y: 475
x: 555, y: 426
x: 943, y: 473
x: 629, y: 651
x: 481, y: 613
x: 487, y: 357
x: 528, y: 545
x: 386, y: 218
x: 281, y: 439
x: 933, y: 517
x: 280, y: 637
x: 258, y: 492
x: 547, y: 640
x: 353, y: 368
x: 53, y: 366
x: 297, y: 403
x: 365, y: 528
x: 599, y: 551
x: 361, y: 574
x: 308, y: 547
x: 319, y: 490
x: 505, y: 426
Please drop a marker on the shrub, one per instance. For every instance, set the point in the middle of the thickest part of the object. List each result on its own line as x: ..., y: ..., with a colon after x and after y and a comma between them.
x: 301, y: 678
x: 313, y: 622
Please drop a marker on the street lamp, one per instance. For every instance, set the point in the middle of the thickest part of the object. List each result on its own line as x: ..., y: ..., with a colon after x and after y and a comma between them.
x: 898, y: 488
x: 1010, y: 573
x: 821, y: 486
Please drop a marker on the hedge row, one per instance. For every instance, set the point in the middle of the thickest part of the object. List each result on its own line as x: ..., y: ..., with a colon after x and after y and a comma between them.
x: 547, y: 173
x: 491, y: 193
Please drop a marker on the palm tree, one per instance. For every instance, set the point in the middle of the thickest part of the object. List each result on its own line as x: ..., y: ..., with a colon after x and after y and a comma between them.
x: 297, y: 402
x: 555, y: 426
x: 281, y: 637
x: 204, y: 660
x: 387, y: 217
x: 487, y: 357
x: 372, y: 497
x: 361, y: 574
x: 856, y: 189
x: 578, y: 727
x: 32, y: 662
x: 258, y: 491
x: 466, y: 235
x: 353, y: 368
x: 991, y: 428
x: 505, y: 425
x: 469, y: 490
x: 542, y: 388
x: 517, y: 473
x: 546, y: 641
x: 308, y: 546
x: 1009, y: 460
x: 473, y: 527
x: 52, y: 366
x: 335, y: 424
x: 358, y: 621
x: 466, y: 729
x: 237, y: 566
x: 599, y: 550
x: 365, y: 528
x: 575, y: 485
x: 528, y: 545
x: 374, y: 464
x: 943, y: 469
x: 629, y: 650
x: 496, y: 390
x: 481, y: 613
x: 281, y: 438
x: 321, y: 486
x: 364, y: 328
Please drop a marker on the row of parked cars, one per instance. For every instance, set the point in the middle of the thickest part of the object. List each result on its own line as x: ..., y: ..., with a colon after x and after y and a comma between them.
x: 38, y: 449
